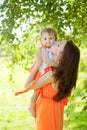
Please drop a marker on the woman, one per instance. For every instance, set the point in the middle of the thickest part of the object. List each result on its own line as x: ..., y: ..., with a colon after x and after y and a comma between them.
x: 55, y: 86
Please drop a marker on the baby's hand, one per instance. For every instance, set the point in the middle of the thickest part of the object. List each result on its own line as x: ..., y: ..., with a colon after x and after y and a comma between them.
x: 32, y: 111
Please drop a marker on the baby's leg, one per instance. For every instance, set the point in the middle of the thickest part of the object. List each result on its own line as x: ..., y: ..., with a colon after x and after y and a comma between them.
x: 32, y: 103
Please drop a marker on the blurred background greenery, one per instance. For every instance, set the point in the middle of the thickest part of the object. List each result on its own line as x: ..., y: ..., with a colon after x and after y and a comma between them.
x: 20, y: 24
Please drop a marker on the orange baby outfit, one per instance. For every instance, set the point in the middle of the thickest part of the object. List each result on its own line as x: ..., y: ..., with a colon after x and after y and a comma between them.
x: 49, y: 113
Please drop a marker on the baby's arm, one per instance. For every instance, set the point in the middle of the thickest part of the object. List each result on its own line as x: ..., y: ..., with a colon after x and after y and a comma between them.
x: 32, y: 103
x: 35, y: 69
x: 45, y: 58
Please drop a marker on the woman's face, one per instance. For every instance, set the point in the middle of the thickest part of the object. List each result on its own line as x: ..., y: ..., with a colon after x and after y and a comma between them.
x: 57, y: 49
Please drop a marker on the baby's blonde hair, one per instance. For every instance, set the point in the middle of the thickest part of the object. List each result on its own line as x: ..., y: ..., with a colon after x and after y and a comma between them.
x: 50, y: 31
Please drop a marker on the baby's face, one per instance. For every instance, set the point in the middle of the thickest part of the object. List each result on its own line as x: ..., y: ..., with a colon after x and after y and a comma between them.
x: 47, y: 39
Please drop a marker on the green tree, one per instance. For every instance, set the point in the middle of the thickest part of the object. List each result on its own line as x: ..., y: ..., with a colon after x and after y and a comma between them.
x: 60, y: 14
x: 68, y: 18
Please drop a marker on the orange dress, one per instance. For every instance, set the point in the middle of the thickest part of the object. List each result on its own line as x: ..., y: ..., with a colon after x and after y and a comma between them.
x: 49, y: 113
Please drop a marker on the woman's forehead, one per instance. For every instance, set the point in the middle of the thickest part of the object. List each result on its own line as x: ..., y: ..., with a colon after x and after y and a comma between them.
x: 56, y: 47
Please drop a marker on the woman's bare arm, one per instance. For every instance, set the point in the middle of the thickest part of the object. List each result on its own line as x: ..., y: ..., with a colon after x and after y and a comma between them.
x: 42, y: 81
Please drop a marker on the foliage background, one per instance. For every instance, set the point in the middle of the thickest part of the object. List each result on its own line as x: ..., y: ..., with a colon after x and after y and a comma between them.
x: 20, y: 24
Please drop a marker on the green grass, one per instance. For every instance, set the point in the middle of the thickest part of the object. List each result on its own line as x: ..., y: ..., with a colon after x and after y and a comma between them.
x: 14, y: 113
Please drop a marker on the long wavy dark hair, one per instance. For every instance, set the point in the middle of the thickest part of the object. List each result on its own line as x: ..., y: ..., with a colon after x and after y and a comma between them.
x: 67, y: 71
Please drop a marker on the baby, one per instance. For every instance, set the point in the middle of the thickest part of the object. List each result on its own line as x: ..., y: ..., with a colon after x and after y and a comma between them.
x: 44, y: 59
x: 52, y: 56
x: 46, y: 55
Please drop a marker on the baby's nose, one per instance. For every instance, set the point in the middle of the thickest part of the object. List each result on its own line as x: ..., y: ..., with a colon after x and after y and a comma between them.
x: 48, y: 41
